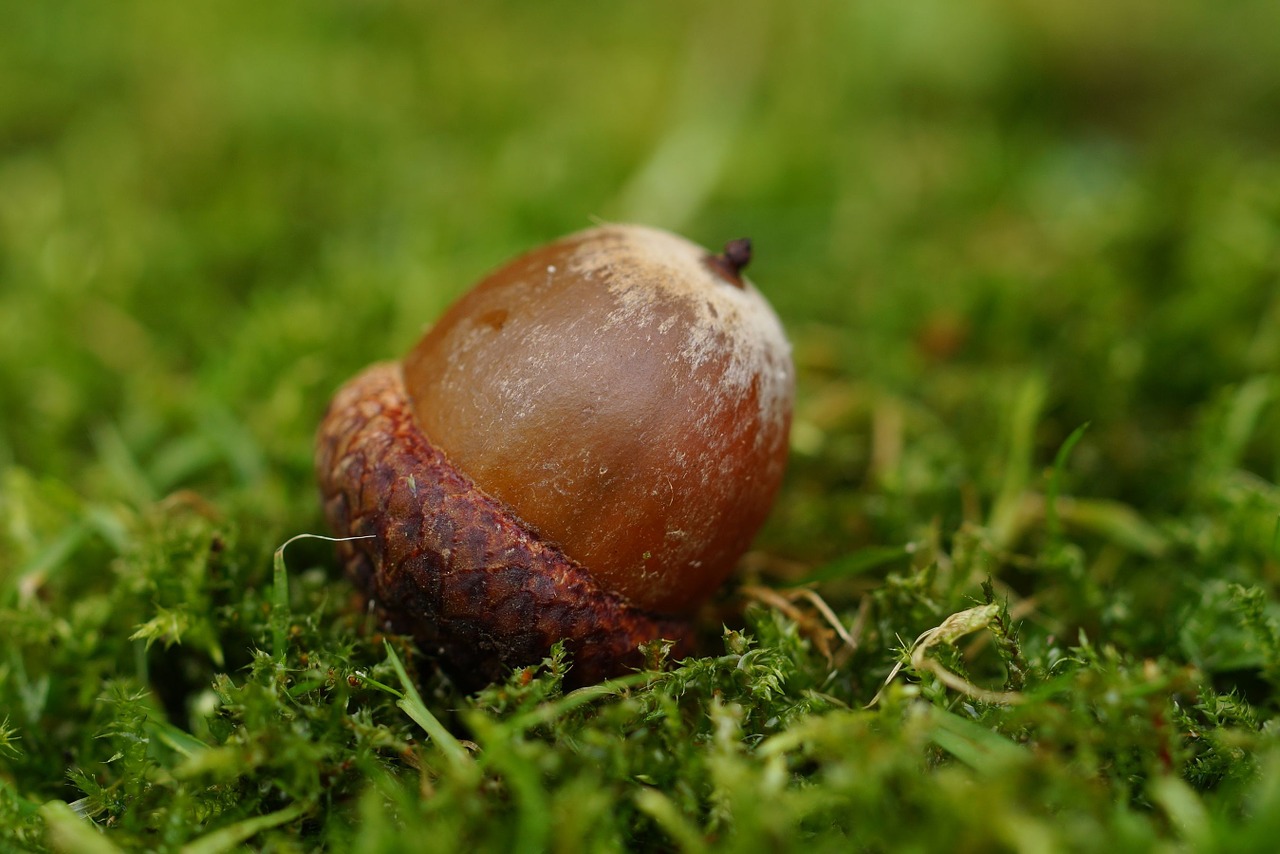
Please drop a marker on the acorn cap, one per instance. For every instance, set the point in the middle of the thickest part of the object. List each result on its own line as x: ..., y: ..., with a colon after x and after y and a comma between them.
x: 451, y: 566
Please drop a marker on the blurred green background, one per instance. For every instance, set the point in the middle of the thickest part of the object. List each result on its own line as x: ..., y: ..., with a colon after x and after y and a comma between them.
x: 984, y: 224
x: 212, y: 214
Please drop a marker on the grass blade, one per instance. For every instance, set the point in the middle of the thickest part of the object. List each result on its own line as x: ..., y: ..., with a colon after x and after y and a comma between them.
x: 412, y: 705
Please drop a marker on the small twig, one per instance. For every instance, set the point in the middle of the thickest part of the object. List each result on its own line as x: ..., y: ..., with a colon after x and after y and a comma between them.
x: 823, y: 608
x: 785, y: 602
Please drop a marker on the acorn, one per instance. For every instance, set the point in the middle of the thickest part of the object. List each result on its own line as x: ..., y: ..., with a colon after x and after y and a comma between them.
x: 579, y: 450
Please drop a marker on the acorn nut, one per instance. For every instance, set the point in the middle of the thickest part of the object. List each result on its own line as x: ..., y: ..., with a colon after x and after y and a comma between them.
x: 580, y: 450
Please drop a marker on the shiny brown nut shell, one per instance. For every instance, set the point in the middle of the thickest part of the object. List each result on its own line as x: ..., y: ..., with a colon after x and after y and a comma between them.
x: 452, y: 566
x: 628, y: 394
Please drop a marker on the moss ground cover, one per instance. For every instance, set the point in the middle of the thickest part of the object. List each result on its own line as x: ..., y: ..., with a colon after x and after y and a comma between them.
x: 1020, y: 589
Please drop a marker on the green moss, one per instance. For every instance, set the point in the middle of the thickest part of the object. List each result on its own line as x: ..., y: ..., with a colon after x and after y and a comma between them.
x: 983, y: 229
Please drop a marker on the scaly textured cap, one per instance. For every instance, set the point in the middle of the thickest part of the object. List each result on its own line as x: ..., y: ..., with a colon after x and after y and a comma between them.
x: 452, y: 566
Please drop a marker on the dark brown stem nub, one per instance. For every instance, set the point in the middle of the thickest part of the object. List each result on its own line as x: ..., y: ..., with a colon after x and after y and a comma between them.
x: 734, y: 259
x: 738, y: 254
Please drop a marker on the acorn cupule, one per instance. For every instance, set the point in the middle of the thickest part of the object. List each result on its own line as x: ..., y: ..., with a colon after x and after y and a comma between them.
x: 496, y: 594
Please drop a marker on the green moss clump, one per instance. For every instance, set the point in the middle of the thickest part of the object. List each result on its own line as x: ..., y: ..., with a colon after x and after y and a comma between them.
x: 971, y: 623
